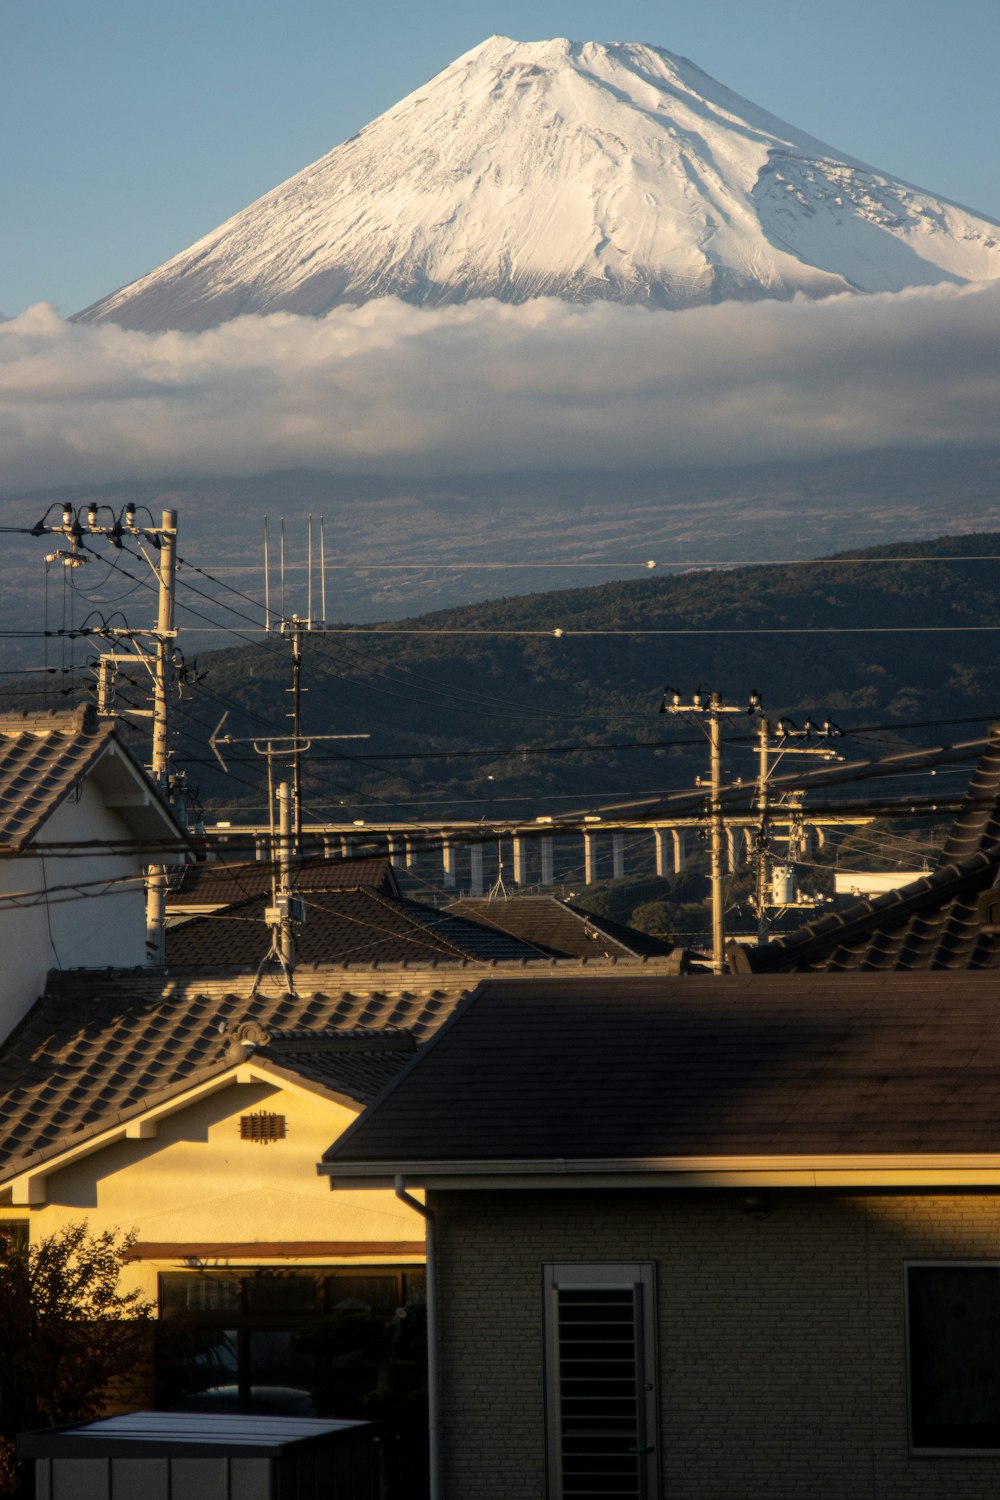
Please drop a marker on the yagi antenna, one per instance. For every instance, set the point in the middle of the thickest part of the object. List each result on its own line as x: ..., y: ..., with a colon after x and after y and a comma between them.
x: 276, y: 619
x: 309, y: 573
x: 282, y: 567
x: 322, y: 569
x: 267, y: 585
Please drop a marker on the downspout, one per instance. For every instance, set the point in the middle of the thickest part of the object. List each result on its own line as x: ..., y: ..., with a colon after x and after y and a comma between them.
x: 427, y: 1215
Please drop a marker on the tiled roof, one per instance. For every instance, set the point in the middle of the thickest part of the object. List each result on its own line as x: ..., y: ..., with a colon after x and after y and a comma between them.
x: 42, y: 756
x: 976, y: 829
x: 357, y: 1063
x: 100, y: 1046
x: 627, y: 1068
x: 555, y: 926
x: 931, y: 923
x: 220, y: 883
x: 352, y: 926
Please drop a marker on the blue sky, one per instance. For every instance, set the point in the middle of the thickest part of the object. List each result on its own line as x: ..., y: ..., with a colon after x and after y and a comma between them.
x: 130, y: 129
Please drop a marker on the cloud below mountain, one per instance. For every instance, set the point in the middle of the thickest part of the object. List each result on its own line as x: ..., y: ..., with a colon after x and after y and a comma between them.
x: 387, y: 388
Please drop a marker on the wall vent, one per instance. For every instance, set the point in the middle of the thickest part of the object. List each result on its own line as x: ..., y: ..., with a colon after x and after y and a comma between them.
x: 262, y: 1127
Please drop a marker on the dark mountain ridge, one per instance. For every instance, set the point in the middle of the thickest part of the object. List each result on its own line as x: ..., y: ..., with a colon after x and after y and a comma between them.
x: 537, y: 703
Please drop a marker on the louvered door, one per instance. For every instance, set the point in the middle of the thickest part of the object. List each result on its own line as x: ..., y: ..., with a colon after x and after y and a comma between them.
x: 601, y: 1382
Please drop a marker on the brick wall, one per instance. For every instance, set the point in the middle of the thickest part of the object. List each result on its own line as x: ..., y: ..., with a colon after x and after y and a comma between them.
x: 781, y: 1339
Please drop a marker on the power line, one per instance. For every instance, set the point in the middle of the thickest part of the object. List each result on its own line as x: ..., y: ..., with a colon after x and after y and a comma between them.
x: 645, y: 566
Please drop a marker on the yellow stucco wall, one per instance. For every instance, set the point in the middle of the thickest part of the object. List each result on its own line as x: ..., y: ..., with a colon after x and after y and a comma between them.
x: 197, y: 1181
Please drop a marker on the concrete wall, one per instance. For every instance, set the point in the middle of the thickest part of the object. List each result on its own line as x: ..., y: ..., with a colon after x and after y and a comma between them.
x: 781, y: 1339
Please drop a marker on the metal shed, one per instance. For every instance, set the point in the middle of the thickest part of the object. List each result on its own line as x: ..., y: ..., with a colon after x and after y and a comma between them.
x: 179, y: 1456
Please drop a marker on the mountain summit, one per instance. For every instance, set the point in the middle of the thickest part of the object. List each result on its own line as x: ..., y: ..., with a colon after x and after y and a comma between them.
x: 579, y: 171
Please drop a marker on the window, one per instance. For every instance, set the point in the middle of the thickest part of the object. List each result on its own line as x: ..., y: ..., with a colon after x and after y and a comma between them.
x: 600, y: 1360
x: 13, y: 1236
x: 953, y: 1335
x: 295, y: 1342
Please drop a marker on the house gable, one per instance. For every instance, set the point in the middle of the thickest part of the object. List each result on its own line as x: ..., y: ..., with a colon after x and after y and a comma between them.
x: 222, y: 1174
x: 79, y: 820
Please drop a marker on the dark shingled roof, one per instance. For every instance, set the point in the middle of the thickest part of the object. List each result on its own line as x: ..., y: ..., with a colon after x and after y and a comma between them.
x: 791, y: 1065
x: 931, y: 923
x: 102, y: 1046
x: 219, y: 883
x: 42, y: 756
x: 556, y: 926
x: 353, y: 926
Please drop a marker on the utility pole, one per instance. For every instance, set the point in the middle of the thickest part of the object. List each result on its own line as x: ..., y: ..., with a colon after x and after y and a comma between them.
x: 712, y: 708
x: 763, y: 862
x: 163, y: 678
x: 788, y: 731
x: 294, y: 628
x: 76, y: 524
x: 287, y: 911
x: 717, y: 836
x: 285, y: 914
x: 156, y: 875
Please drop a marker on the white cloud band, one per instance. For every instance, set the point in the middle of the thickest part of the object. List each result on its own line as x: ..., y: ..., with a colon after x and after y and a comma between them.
x: 391, y: 389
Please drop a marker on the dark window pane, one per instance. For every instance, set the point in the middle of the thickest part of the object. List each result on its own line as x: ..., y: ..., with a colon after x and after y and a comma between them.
x: 416, y: 1287
x: 955, y: 1356
x: 376, y: 1290
x: 212, y: 1379
x: 280, y: 1291
x: 13, y: 1236
x: 282, y: 1378
x: 197, y: 1291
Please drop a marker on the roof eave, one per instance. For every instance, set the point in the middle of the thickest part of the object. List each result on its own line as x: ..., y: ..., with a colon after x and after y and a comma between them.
x: 910, y: 1170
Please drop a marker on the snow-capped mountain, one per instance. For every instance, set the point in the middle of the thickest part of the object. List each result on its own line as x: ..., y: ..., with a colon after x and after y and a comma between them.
x: 578, y: 171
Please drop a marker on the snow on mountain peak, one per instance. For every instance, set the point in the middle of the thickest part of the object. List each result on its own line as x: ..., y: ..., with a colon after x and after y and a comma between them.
x: 575, y: 170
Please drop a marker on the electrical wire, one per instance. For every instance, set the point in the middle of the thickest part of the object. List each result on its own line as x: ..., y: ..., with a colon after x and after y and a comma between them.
x: 680, y: 563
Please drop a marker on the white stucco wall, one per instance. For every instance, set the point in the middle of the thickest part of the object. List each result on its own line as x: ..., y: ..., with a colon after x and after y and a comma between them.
x: 104, y: 927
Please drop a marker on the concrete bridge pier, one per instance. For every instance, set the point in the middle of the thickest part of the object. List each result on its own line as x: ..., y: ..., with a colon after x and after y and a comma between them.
x: 520, y: 862
x: 589, y: 858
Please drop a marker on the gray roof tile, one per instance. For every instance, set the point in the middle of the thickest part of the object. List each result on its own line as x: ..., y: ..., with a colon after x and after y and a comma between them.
x: 42, y: 756
x: 743, y: 1065
x: 222, y: 883
x: 930, y: 924
x: 353, y: 926
x: 555, y: 926
x: 56, y: 1086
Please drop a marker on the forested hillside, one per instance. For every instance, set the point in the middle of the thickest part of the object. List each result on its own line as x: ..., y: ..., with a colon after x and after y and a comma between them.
x: 548, y: 701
